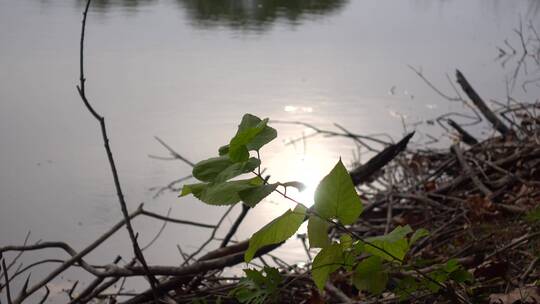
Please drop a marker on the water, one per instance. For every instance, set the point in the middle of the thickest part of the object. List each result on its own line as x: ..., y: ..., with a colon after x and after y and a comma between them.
x: 186, y: 71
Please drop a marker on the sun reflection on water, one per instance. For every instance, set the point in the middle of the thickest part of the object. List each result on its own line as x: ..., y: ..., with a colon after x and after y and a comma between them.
x: 306, y: 167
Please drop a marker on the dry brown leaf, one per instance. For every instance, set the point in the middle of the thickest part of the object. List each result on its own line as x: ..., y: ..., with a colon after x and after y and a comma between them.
x: 315, y: 298
x: 430, y: 186
x: 480, y: 207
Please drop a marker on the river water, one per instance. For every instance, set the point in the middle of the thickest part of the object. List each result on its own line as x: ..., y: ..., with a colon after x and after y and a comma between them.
x: 187, y: 70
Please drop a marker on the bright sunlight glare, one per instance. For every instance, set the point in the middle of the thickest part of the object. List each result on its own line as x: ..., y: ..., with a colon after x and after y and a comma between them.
x: 307, y: 167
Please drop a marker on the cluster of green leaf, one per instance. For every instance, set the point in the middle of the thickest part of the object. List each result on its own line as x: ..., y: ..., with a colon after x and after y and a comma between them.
x: 369, y: 259
x: 216, y: 173
x: 258, y: 287
x: 450, y: 271
x: 336, y: 204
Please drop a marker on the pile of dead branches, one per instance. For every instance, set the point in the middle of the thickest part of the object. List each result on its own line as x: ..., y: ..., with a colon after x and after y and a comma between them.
x: 476, y: 198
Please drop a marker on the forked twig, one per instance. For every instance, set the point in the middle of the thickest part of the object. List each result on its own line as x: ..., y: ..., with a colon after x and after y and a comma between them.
x: 101, y: 119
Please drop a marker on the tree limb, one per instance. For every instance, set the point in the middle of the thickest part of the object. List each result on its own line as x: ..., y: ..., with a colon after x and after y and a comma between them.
x: 481, y: 105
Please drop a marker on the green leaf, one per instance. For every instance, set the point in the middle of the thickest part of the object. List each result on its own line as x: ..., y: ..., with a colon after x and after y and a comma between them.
x: 239, y: 153
x: 346, y: 241
x: 418, y: 234
x: 273, y: 277
x: 252, y: 134
x: 451, y: 266
x: 277, y: 231
x: 406, y: 287
x: 244, y: 295
x: 394, y: 245
x: 266, y: 135
x: 349, y: 260
x: 318, y: 232
x: 257, y: 288
x: 370, y: 276
x: 437, y: 276
x: 236, y: 169
x: 253, y: 196
x: 456, y: 271
x: 359, y: 247
x: 327, y: 261
x: 249, y: 121
x: 255, y: 276
x: 195, y: 189
x: 220, y: 169
x: 450, y: 270
x: 208, y: 169
x: 226, y: 193
x: 462, y: 276
x: 223, y: 150
x: 335, y: 196
x: 349, y: 253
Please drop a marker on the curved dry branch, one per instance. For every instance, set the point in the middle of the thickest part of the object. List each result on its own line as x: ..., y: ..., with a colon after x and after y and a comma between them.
x: 81, y: 88
x: 60, y: 245
x: 481, y: 105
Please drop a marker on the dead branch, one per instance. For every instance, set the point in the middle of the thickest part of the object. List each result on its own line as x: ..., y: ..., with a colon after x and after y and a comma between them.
x: 6, y: 278
x: 362, y: 173
x: 235, y: 225
x: 466, y: 137
x: 481, y: 105
x: 81, y: 88
x: 468, y: 171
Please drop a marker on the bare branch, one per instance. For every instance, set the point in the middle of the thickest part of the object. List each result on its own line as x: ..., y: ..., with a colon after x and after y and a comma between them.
x: 123, y: 206
x: 174, y: 153
x: 6, y: 278
x: 481, y: 105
